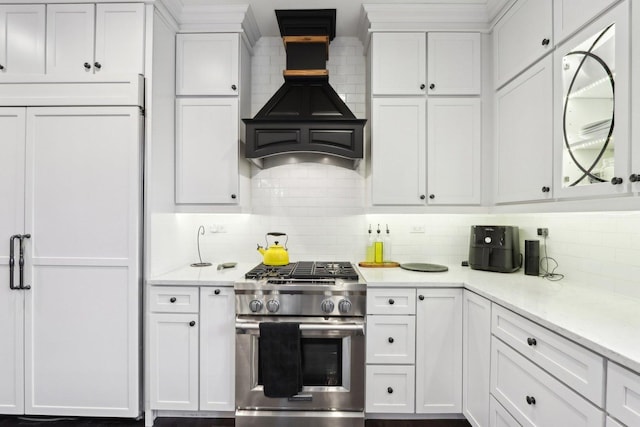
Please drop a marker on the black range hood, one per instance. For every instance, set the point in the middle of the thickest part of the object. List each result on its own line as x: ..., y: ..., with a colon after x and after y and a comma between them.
x: 305, y: 115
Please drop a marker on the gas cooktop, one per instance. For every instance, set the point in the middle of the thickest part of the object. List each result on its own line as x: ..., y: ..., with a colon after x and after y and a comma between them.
x: 304, y: 271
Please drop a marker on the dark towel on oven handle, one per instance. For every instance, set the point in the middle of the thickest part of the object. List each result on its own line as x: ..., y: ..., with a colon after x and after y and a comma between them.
x: 280, y: 358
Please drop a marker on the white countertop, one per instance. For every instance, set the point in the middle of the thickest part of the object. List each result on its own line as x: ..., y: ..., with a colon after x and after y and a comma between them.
x: 604, y: 322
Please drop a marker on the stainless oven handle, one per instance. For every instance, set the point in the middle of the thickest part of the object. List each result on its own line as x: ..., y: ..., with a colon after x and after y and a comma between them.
x: 309, y: 327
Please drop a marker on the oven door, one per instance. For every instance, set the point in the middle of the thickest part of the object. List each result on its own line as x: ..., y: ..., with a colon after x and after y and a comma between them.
x: 333, y: 352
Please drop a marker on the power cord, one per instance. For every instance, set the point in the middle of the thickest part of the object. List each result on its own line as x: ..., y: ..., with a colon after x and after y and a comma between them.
x: 546, y: 273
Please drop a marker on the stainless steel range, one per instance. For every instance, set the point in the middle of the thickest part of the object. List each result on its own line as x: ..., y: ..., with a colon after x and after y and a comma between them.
x: 326, y: 302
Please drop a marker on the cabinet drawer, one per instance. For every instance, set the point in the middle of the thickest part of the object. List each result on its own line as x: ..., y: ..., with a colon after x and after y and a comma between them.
x: 390, y: 389
x: 391, y: 339
x: 532, y: 396
x: 391, y: 301
x: 576, y: 366
x: 623, y: 394
x: 499, y: 417
x: 172, y: 299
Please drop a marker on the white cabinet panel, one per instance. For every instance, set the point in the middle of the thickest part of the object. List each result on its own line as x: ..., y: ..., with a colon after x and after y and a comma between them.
x: 217, y: 349
x: 398, y: 64
x: 578, y: 367
x: 454, y: 63
x: 207, y: 150
x: 534, y: 397
x: 207, y: 64
x: 70, y: 37
x: 398, y: 137
x: 174, y: 361
x: 390, y: 389
x: 453, y: 150
x: 612, y: 423
x: 522, y: 36
x: 391, y: 339
x: 119, y: 38
x: 476, y: 355
x: 524, y: 136
x: 570, y: 15
x: 623, y: 394
x: 439, y: 351
x: 12, y: 129
x: 22, y: 39
x: 81, y: 313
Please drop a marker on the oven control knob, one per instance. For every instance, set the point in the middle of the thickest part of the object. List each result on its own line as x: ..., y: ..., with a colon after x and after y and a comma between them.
x: 327, y: 306
x: 273, y: 306
x: 344, y: 306
x: 255, y: 305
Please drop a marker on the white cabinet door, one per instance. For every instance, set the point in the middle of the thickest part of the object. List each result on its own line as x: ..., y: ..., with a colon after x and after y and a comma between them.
x: 22, y: 37
x: 570, y: 15
x: 398, y: 144
x: 207, y: 150
x: 82, y: 202
x: 499, y: 416
x: 217, y: 349
x: 453, y: 151
x: 522, y: 36
x: 398, y: 64
x: 476, y: 358
x: 70, y: 38
x: 623, y: 394
x: 391, y: 339
x: 207, y: 64
x: 119, y: 38
x: 454, y: 63
x: 439, y: 351
x: 12, y: 152
x: 524, y: 136
x: 174, y: 361
x: 390, y: 389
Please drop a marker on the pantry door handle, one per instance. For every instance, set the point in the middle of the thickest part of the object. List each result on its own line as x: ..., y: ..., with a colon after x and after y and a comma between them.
x: 21, y: 261
x: 12, y: 260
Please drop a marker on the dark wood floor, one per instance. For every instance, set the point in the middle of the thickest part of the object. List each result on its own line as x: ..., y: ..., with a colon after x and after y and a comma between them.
x: 34, y: 421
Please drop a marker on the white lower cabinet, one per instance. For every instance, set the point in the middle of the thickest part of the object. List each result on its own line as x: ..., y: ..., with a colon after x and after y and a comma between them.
x: 476, y: 359
x: 390, y: 389
x: 534, y: 397
x: 612, y: 423
x: 623, y: 394
x: 391, y: 339
x: 439, y: 351
x: 192, y: 348
x: 499, y: 417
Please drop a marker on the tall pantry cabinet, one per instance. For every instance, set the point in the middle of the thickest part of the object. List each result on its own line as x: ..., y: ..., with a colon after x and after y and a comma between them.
x: 70, y: 219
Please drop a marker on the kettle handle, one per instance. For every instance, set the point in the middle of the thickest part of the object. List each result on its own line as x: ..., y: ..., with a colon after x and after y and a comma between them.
x: 276, y: 234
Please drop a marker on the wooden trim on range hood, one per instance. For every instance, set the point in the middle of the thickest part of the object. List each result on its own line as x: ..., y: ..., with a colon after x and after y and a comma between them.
x: 305, y: 73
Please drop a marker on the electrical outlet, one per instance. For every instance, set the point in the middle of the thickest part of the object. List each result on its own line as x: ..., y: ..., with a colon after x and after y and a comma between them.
x: 543, y: 232
x: 417, y: 229
x: 217, y: 228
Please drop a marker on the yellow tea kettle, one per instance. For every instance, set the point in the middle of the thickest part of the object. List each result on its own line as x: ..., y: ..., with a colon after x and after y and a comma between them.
x: 275, y: 254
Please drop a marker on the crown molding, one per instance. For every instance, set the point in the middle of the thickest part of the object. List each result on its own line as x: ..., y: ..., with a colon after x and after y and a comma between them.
x: 428, y: 17
x: 210, y: 18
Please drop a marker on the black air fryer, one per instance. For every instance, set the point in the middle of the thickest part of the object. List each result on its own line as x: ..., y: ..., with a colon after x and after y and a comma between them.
x: 494, y: 248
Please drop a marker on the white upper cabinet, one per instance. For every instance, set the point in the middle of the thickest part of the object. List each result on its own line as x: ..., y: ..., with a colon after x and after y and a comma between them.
x: 522, y: 36
x: 524, y: 136
x: 398, y: 64
x: 591, y: 83
x: 22, y: 39
x: 207, y: 150
x: 454, y: 63
x: 570, y: 15
x: 453, y: 150
x: 207, y: 64
x: 116, y: 31
x: 398, y: 137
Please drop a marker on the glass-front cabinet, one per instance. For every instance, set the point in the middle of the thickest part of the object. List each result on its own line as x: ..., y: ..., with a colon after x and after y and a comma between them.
x: 592, y: 108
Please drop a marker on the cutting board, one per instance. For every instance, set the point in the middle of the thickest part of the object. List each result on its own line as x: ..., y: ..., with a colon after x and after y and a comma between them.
x: 387, y: 264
